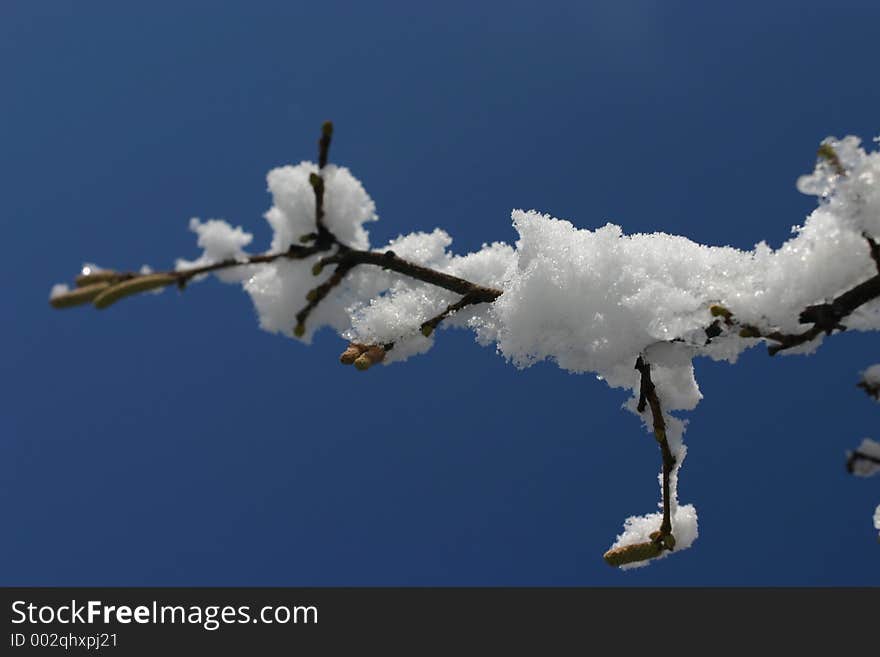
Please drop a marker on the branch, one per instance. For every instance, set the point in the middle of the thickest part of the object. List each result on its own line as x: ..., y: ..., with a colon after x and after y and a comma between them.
x: 316, y: 295
x: 106, y: 287
x: 389, y: 260
x: 103, y: 288
x: 825, y: 317
x: 427, y: 327
x: 663, y: 538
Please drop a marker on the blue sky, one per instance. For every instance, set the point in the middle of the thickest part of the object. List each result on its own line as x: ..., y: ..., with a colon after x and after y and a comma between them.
x: 169, y: 441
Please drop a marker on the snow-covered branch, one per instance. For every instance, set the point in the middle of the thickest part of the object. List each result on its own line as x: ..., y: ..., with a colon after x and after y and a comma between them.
x: 589, y: 300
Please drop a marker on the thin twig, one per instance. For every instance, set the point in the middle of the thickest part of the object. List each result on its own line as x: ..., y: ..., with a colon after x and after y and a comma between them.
x: 316, y: 295
x: 324, y: 143
x: 648, y: 393
x: 428, y: 326
x: 824, y: 317
x: 875, y: 250
x: 389, y: 260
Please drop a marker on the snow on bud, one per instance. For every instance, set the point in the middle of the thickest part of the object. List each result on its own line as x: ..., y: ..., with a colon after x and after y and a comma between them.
x: 132, y: 286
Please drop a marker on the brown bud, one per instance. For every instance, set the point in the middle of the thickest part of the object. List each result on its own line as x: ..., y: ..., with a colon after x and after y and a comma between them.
x: 78, y: 296
x: 749, y: 332
x: 132, y: 286
x: 719, y: 311
x: 327, y: 129
x: 299, y: 330
x: 632, y: 553
x: 351, y: 353
x: 312, y: 295
x: 317, y: 269
x: 826, y: 152
x: 427, y: 330
x: 372, y: 355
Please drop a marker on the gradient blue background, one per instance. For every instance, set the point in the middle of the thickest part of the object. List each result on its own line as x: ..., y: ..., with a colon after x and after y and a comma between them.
x: 170, y: 441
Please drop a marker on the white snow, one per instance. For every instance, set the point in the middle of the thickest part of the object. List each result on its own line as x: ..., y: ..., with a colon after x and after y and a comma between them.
x: 590, y: 300
x: 57, y: 290
x: 219, y: 242
x: 871, y: 376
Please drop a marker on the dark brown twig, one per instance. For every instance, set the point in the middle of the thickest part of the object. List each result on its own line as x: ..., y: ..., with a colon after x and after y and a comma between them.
x: 824, y: 317
x: 875, y: 250
x: 648, y: 393
x: 663, y: 538
x: 389, y: 260
x: 871, y: 389
x: 316, y: 295
x: 427, y: 327
x: 324, y: 143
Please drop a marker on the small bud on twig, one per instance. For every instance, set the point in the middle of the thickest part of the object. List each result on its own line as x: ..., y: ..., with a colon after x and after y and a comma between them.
x: 719, y: 311
x: 826, y: 152
x: 632, y: 553
x: 132, y: 286
x: 352, y: 352
x: 374, y: 354
x: 78, y: 296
